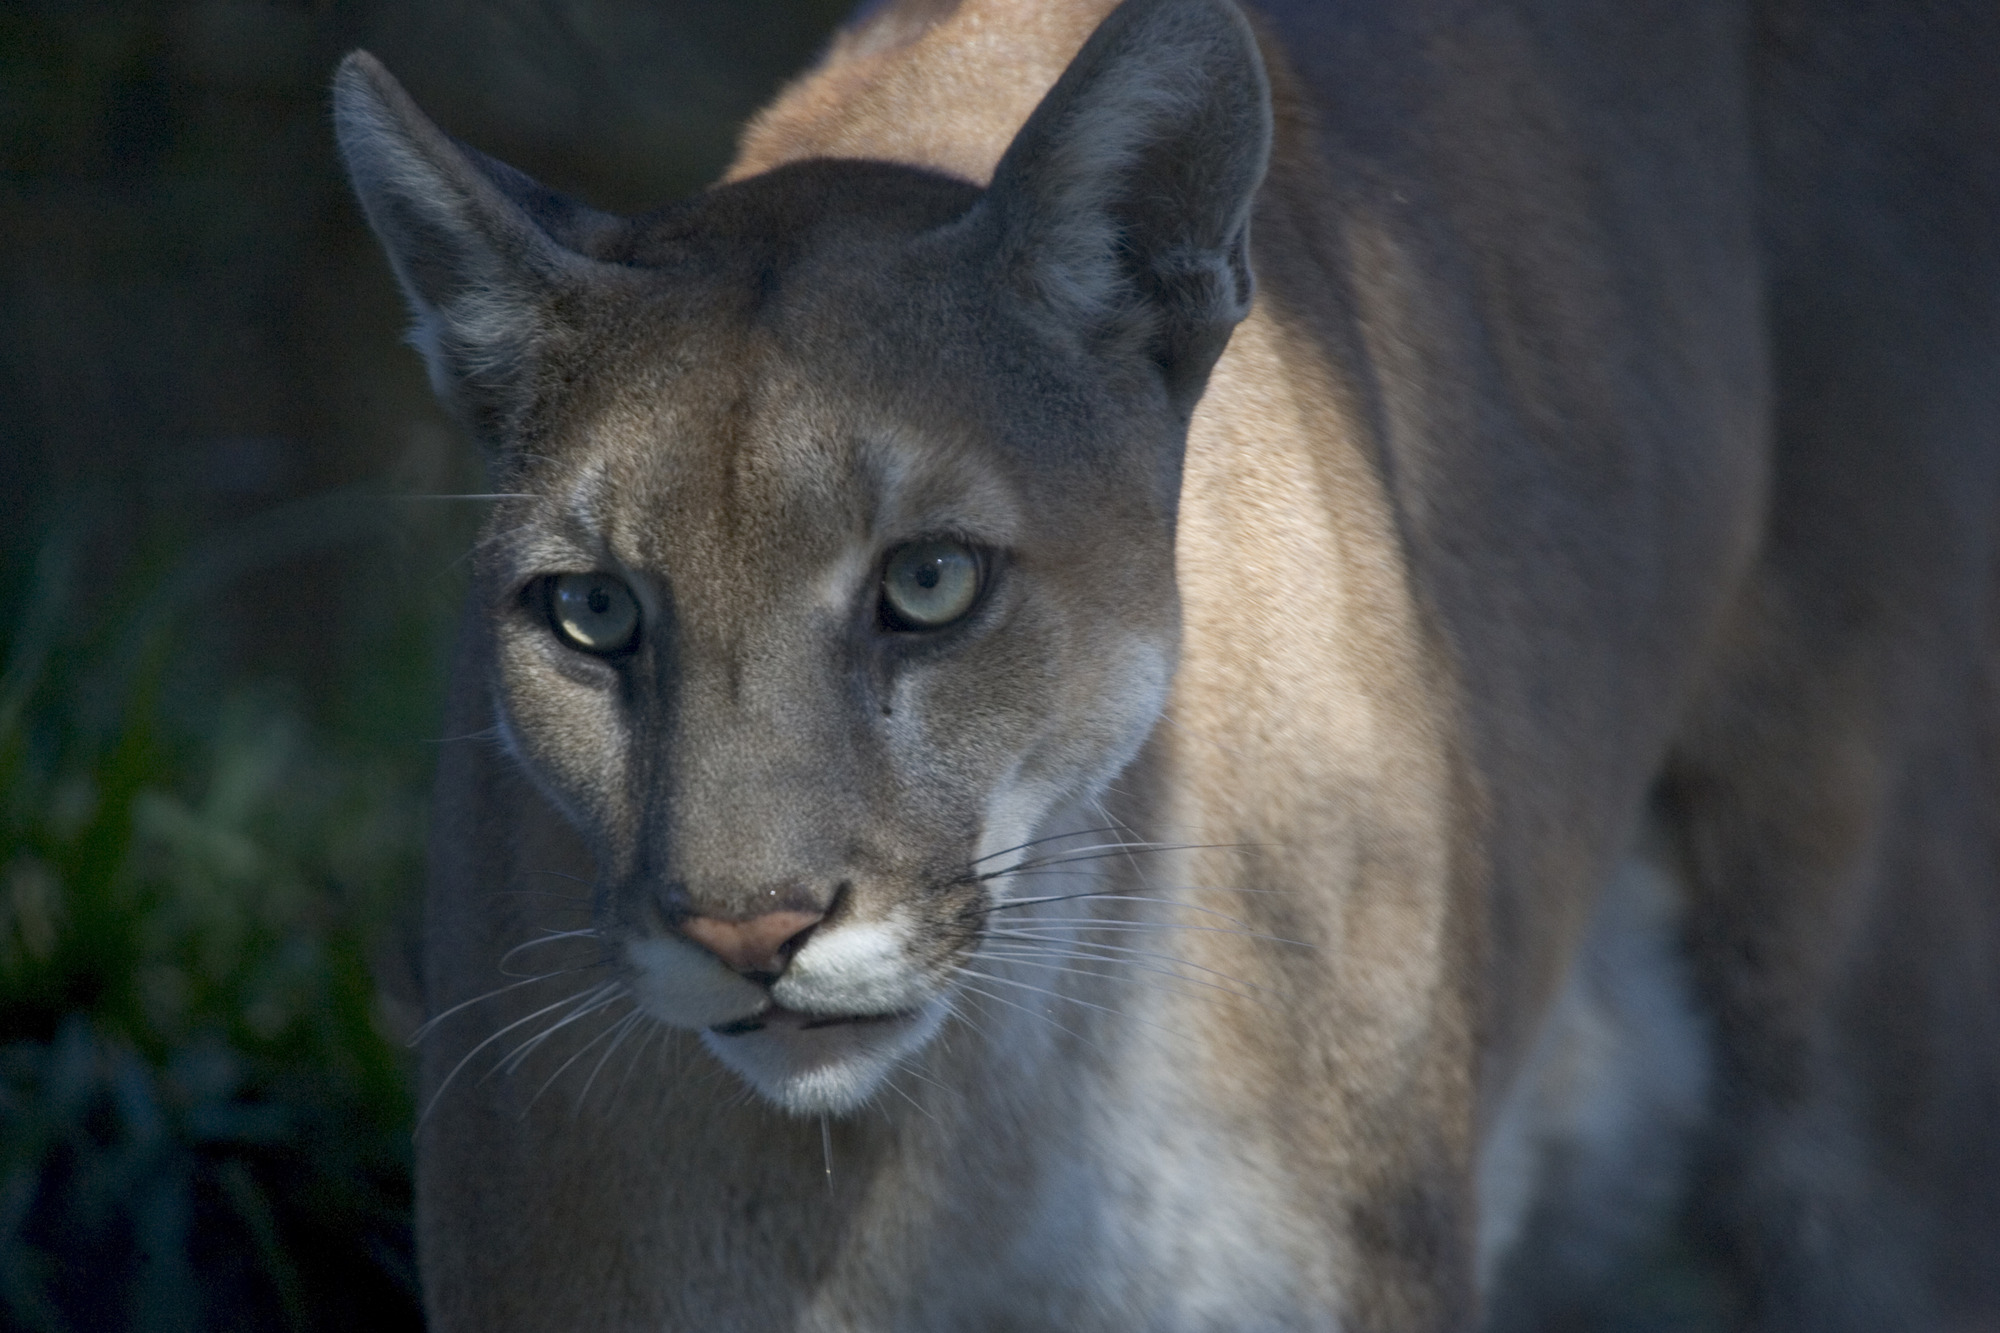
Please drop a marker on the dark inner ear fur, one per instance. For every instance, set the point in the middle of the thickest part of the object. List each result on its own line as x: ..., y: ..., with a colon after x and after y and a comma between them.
x: 1123, y: 205
x: 479, y: 248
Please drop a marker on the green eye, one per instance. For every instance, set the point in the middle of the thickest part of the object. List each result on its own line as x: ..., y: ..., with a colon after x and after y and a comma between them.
x: 594, y: 612
x: 929, y: 584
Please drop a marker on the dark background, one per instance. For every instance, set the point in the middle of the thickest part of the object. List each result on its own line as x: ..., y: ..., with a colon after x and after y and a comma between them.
x: 226, y: 592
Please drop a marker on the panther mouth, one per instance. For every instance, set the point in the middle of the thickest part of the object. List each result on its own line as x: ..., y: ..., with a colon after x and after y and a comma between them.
x: 777, y: 1016
x: 821, y: 1063
x: 819, y: 1036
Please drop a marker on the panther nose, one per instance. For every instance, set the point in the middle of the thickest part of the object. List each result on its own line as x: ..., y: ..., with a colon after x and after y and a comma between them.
x: 760, y: 946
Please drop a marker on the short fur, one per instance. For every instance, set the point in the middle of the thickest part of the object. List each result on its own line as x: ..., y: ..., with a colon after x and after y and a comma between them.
x: 1599, y: 490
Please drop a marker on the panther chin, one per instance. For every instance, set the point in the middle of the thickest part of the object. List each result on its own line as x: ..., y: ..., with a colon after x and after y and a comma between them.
x: 821, y: 1064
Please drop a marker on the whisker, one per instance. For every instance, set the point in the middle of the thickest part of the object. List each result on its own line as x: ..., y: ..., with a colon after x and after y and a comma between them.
x: 1107, y: 953
x: 1036, y: 842
x: 424, y: 1029
x: 491, y: 495
x: 1038, y: 874
x: 964, y: 1017
x: 578, y: 998
x: 1105, y: 852
x: 1123, y: 975
x: 578, y: 1054
x: 1178, y: 888
x: 1129, y: 927
x: 1037, y: 941
x: 1122, y: 845
x: 638, y: 1053
x: 1114, y: 896
x: 1118, y: 970
x: 489, y: 734
x: 1099, y: 875
x: 546, y: 937
x: 623, y: 1027
x: 490, y: 539
x: 1001, y: 999
x: 890, y: 1084
x: 1139, y: 898
x: 1117, y: 825
x: 916, y: 1073
x: 1122, y: 922
x: 560, y: 874
x: 609, y: 993
x: 595, y: 963
x: 1056, y: 994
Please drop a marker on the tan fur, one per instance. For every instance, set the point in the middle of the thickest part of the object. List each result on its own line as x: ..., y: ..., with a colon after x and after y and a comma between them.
x: 977, y: 70
x: 1600, y: 491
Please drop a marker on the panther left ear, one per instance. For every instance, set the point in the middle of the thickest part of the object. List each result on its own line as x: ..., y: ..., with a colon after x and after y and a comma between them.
x: 1122, y: 207
x: 481, y: 250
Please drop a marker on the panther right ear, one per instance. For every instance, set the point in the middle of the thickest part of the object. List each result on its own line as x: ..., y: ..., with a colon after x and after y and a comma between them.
x: 481, y: 250
x: 1123, y: 205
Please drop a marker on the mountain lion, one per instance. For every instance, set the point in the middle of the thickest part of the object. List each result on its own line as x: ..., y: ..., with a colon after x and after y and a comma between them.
x: 1331, y: 669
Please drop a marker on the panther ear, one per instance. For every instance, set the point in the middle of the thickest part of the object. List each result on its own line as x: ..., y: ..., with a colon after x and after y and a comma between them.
x: 481, y: 250
x: 1123, y: 205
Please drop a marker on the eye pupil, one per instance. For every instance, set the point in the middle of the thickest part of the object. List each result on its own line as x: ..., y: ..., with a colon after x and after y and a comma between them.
x: 927, y: 576
x: 600, y: 601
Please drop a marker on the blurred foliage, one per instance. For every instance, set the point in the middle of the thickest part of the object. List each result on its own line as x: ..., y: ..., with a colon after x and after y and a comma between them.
x: 224, y: 611
x: 202, y: 1120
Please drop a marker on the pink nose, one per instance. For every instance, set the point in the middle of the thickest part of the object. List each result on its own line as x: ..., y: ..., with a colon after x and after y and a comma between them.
x: 763, y: 944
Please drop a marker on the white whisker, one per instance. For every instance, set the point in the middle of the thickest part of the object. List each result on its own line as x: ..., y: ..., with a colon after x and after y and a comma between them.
x: 1104, y: 852
x: 1036, y: 842
x: 424, y: 1029
x: 1132, y: 926
x: 576, y: 1055
x: 1069, y: 999
x: 490, y: 495
x: 1122, y: 970
x: 578, y: 998
x: 1034, y: 950
x: 624, y: 1028
x: 508, y: 1063
x: 1001, y: 999
x: 638, y: 1053
x: 890, y: 1083
x: 1136, y: 898
x: 547, y: 937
